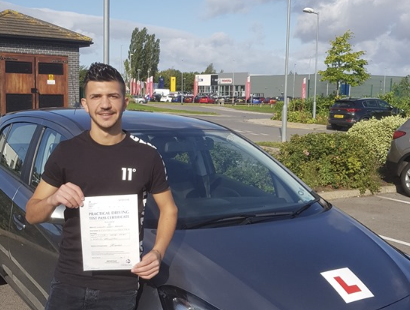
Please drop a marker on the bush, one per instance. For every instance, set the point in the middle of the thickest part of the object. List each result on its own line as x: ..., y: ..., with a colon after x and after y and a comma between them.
x: 332, y: 160
x: 301, y: 111
x: 377, y: 135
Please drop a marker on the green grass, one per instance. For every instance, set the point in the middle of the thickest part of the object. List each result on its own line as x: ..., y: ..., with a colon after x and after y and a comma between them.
x: 264, y: 108
x: 150, y: 108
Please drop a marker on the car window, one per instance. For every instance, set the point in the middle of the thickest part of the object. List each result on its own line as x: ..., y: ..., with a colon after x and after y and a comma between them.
x: 370, y: 104
x: 383, y: 105
x: 16, y: 145
x: 49, y: 141
x: 343, y: 104
x: 217, y: 173
x: 3, y: 137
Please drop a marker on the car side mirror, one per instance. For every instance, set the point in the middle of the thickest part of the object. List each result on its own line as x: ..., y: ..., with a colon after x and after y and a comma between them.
x: 57, y: 217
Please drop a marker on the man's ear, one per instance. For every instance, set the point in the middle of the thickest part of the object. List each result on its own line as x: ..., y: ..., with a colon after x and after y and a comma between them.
x: 126, y: 102
x: 84, y: 104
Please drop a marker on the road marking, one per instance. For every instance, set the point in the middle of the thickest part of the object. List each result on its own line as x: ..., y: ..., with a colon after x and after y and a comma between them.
x: 396, y: 200
x: 395, y: 240
x: 251, y: 132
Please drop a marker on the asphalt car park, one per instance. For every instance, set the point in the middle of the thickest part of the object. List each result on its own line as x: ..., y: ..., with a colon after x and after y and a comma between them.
x: 249, y: 234
x: 387, y: 214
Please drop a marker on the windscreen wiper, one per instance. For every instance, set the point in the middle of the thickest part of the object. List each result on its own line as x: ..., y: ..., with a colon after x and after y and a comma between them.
x: 247, y: 218
x: 304, y: 208
x: 242, y: 219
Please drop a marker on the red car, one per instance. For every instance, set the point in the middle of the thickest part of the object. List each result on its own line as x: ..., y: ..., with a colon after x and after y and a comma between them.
x: 206, y: 99
x: 189, y: 99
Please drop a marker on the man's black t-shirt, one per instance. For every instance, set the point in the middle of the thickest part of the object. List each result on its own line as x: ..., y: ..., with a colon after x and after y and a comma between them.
x: 129, y: 167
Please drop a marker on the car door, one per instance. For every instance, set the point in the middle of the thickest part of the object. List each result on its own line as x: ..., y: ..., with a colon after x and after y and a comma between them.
x: 7, y: 191
x: 384, y: 108
x: 34, y: 248
x: 14, y: 147
x: 371, y: 109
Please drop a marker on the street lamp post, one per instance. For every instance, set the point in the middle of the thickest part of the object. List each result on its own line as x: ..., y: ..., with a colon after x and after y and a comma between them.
x: 294, y: 80
x: 311, y: 11
x: 233, y: 84
x: 285, y: 94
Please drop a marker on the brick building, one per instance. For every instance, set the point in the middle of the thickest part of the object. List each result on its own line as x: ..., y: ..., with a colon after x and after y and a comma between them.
x: 39, y: 63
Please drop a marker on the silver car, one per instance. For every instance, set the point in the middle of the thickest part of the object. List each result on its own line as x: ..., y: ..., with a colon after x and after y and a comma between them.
x: 398, y: 157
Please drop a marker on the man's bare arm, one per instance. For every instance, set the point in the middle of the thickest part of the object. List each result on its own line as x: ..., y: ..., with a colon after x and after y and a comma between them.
x: 47, y: 197
x: 150, y: 263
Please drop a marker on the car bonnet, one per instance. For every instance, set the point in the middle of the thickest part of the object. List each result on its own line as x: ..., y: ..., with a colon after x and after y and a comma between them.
x: 326, y: 261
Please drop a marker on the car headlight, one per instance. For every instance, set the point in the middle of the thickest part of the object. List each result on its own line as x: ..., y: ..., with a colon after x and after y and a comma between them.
x: 174, y: 298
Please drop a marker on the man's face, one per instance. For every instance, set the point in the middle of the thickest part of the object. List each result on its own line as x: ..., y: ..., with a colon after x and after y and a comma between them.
x: 105, y: 103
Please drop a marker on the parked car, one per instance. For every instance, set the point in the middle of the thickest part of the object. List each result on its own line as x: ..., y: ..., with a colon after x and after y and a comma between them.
x: 206, y: 99
x: 398, y: 157
x: 347, y: 112
x: 269, y: 100
x: 156, y: 97
x: 222, y: 99
x: 177, y: 98
x: 189, y: 99
x: 255, y: 100
x: 166, y: 98
x: 250, y: 235
x: 139, y: 99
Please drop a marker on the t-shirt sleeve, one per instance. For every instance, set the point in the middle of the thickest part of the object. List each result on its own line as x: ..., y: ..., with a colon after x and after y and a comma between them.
x: 53, y: 174
x: 159, y: 178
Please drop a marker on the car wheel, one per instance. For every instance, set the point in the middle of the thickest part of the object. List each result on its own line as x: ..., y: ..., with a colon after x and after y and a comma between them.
x: 405, y: 179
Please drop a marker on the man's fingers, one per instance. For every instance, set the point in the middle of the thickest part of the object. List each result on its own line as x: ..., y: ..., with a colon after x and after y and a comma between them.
x: 70, y: 195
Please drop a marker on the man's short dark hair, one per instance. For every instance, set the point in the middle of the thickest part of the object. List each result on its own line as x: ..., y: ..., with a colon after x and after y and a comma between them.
x: 100, y: 72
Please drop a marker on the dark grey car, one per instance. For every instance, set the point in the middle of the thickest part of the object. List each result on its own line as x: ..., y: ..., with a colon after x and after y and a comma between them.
x: 346, y: 112
x: 250, y: 235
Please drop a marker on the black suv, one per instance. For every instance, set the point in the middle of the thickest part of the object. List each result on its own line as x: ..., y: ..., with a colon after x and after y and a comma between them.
x: 347, y: 112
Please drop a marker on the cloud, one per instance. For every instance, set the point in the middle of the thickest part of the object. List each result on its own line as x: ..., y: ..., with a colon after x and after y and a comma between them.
x: 232, y: 38
x: 380, y: 29
x: 215, y: 8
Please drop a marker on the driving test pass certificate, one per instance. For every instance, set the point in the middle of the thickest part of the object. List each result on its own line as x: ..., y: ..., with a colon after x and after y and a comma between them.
x: 110, y: 232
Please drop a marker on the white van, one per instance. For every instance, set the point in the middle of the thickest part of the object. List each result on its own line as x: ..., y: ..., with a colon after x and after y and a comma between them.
x: 162, y: 91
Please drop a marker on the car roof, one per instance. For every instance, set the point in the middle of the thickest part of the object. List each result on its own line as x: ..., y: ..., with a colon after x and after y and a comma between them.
x: 355, y: 99
x: 146, y: 121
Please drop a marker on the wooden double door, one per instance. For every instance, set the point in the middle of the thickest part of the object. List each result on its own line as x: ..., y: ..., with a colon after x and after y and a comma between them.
x: 32, y: 82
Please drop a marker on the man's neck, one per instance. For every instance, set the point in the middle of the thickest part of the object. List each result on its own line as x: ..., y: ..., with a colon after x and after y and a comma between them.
x: 107, y: 138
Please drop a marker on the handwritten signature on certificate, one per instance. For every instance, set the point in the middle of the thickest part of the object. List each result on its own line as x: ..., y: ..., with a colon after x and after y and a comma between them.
x: 110, y: 232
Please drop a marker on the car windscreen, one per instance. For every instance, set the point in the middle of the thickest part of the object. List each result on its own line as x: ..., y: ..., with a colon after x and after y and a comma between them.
x: 216, y: 173
x: 343, y: 104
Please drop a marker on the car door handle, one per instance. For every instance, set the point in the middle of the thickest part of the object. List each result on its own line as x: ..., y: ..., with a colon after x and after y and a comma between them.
x: 19, y: 222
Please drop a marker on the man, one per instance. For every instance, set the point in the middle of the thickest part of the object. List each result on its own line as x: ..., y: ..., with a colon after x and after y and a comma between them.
x: 91, y: 164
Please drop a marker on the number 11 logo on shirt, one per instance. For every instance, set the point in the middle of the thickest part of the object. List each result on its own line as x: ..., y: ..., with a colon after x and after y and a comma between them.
x: 127, y: 173
x: 347, y: 284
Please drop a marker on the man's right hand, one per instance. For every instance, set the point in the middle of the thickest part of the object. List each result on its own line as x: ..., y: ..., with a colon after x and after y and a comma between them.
x: 69, y: 195
x: 47, y: 197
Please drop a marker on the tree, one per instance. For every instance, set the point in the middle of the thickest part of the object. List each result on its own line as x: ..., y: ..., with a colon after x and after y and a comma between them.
x: 189, y: 78
x: 344, y: 65
x: 143, y: 55
x: 403, y: 88
x: 210, y: 69
x: 81, y: 75
x: 82, y: 72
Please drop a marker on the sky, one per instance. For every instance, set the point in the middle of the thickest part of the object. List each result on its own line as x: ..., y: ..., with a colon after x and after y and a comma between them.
x: 237, y: 35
